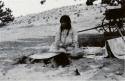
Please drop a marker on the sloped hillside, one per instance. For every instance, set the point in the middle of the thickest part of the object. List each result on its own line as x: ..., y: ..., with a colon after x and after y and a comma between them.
x: 77, y: 13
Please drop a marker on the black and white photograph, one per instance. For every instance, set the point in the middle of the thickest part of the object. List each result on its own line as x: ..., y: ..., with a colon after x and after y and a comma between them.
x: 62, y: 40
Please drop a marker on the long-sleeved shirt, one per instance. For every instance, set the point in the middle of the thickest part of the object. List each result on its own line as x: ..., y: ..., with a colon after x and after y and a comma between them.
x: 69, y: 41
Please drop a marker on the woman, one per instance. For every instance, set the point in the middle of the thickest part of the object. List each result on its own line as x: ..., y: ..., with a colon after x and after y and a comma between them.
x: 66, y: 39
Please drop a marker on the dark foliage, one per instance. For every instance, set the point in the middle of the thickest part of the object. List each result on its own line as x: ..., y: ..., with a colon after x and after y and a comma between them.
x: 89, y: 2
x: 42, y: 2
x: 5, y: 14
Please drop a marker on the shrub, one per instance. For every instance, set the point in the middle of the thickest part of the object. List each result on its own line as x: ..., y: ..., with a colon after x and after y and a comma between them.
x: 5, y: 14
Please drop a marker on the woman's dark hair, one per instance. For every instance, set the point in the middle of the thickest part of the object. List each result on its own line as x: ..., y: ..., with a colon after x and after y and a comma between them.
x: 65, y: 19
x: 65, y: 24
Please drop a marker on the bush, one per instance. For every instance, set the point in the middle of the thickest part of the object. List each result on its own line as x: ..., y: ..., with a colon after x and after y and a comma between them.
x: 89, y: 2
x: 42, y: 2
x: 5, y: 14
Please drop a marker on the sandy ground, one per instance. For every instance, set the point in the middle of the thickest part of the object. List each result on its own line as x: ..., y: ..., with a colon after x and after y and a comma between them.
x: 90, y: 67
